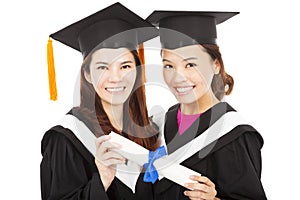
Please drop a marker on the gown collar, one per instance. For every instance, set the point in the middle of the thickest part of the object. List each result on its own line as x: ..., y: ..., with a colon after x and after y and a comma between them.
x: 208, y: 118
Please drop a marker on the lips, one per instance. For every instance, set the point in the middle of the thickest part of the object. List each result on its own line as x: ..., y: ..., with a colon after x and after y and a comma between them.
x: 184, y: 90
x: 115, y: 89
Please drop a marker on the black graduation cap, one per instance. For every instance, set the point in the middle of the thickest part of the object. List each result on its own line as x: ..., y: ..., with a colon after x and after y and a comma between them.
x: 183, y: 28
x: 113, y: 27
x: 116, y: 19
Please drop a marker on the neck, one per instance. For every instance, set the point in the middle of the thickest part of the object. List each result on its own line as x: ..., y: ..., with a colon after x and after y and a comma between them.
x: 201, y: 105
x: 114, y: 114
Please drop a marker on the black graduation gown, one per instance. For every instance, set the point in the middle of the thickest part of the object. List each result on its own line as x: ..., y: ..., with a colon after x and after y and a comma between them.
x: 68, y: 171
x: 233, y: 163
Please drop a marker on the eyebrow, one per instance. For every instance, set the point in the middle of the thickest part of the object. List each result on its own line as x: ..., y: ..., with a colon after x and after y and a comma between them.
x: 186, y: 59
x: 190, y: 58
x: 125, y: 62
x: 103, y: 63
x: 166, y: 60
x: 122, y: 63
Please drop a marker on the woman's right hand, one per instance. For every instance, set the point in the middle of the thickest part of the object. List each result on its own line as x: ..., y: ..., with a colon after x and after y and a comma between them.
x: 106, y: 160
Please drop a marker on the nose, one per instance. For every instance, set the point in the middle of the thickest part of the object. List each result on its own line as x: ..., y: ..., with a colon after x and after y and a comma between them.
x: 179, y: 75
x: 114, y: 74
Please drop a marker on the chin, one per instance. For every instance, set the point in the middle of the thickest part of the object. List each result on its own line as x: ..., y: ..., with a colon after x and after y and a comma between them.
x: 118, y: 102
x: 186, y: 101
x: 114, y: 102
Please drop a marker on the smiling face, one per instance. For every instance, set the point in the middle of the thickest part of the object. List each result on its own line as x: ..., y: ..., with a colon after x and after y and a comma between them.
x: 113, y: 74
x: 188, y: 71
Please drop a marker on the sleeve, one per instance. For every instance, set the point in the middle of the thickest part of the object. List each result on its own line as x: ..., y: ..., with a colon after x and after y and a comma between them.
x: 239, y: 169
x: 65, y: 174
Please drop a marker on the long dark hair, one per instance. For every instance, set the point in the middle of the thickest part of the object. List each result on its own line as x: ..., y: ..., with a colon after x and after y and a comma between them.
x: 136, y: 123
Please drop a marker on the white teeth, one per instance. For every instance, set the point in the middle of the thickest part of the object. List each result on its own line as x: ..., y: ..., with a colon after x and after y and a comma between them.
x: 184, y: 89
x: 115, y: 89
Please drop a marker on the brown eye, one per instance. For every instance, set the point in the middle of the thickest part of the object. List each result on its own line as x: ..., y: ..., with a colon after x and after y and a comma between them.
x: 102, y: 67
x: 190, y: 65
x: 126, y: 66
x: 168, y: 67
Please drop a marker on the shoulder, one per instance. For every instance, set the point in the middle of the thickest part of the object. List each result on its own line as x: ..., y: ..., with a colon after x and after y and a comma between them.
x: 249, y: 136
x: 174, y: 107
x: 55, y: 136
x: 172, y: 112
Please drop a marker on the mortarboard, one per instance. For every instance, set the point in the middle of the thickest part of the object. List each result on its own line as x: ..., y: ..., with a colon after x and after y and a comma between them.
x: 113, y: 27
x: 183, y: 28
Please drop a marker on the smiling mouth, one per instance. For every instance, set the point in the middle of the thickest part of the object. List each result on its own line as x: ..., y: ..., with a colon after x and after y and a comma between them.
x: 115, y: 89
x: 184, y: 90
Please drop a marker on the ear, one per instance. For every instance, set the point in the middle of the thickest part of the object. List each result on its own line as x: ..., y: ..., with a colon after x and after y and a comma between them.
x: 87, y: 76
x: 217, y: 66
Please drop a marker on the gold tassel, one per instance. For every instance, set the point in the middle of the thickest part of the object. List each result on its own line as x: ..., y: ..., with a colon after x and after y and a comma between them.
x: 141, y: 53
x: 142, y: 59
x: 51, y: 71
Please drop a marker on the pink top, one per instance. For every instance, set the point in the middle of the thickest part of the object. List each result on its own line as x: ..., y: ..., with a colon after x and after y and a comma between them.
x: 185, y: 121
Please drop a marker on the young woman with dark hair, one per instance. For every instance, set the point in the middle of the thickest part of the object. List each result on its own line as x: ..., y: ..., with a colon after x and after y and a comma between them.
x: 193, y: 69
x: 112, y: 98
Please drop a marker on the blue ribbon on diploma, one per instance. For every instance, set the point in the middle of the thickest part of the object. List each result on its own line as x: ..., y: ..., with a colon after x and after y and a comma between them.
x: 151, y: 174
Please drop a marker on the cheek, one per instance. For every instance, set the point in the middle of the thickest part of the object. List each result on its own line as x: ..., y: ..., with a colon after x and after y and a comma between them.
x: 97, y: 79
x: 167, y: 77
x: 130, y: 77
x: 198, y: 78
x: 203, y: 76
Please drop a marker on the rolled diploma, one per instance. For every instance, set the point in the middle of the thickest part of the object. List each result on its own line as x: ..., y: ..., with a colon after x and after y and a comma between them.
x: 165, y: 167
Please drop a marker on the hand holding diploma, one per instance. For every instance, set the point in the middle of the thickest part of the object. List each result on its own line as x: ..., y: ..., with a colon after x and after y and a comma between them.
x: 202, y: 189
x: 163, y: 166
x: 106, y: 159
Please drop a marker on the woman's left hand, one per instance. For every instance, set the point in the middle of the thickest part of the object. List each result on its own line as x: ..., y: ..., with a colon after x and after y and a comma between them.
x: 204, y: 189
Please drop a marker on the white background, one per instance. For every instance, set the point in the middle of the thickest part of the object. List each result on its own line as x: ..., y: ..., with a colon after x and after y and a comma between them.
x: 260, y: 50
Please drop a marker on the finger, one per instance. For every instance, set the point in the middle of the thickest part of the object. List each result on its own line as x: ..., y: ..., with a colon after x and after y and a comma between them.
x: 104, y: 139
x: 194, y: 194
x: 104, y: 166
x: 101, y: 139
x: 109, y: 158
x: 198, y: 186
x: 110, y: 145
x: 196, y: 198
x: 111, y: 162
x: 112, y: 155
x: 106, y: 146
x: 202, y: 179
